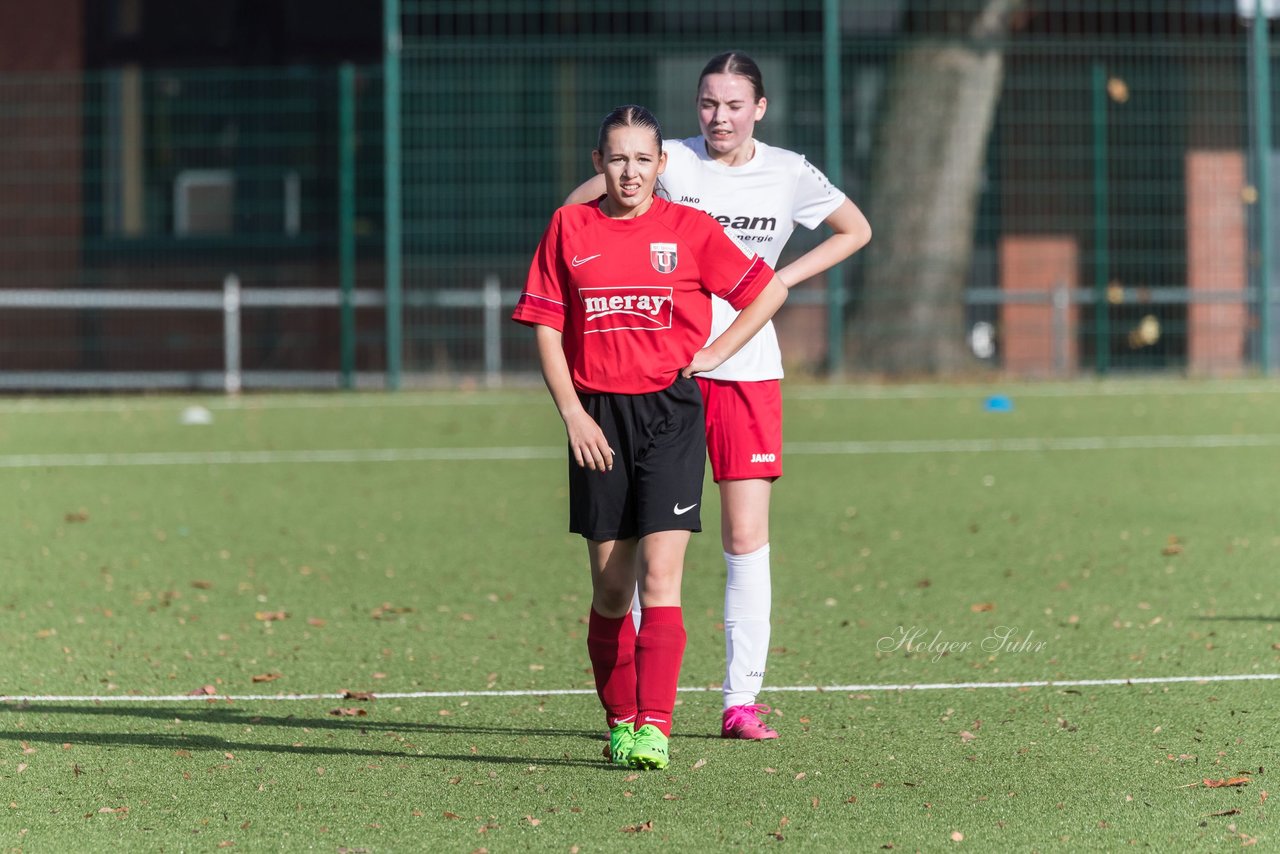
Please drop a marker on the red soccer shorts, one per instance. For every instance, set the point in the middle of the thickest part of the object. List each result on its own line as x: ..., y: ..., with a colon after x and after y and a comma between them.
x: 744, y: 428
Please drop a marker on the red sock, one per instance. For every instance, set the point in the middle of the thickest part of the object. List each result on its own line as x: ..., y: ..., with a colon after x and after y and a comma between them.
x: 659, y: 653
x: 611, y: 643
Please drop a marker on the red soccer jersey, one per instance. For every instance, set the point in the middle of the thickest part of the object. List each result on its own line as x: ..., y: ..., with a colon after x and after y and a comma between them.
x: 632, y: 297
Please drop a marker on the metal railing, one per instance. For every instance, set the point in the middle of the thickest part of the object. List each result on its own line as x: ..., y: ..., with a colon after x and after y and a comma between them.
x: 1059, y: 335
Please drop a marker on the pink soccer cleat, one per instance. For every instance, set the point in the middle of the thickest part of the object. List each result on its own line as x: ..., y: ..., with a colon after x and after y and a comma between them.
x: 744, y: 722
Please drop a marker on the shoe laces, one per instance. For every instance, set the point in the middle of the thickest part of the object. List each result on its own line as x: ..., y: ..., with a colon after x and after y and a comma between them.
x: 745, y: 714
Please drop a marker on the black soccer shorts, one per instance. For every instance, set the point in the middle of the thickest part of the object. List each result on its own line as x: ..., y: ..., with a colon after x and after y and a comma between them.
x: 660, y: 450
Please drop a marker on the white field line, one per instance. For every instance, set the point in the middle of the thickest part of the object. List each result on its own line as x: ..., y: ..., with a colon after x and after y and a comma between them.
x: 795, y: 689
x: 535, y: 395
x: 253, y: 403
x: 854, y: 448
x: 350, y: 455
x: 1117, y: 388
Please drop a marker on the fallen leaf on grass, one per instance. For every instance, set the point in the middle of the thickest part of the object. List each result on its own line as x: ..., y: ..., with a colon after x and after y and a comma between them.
x: 670, y: 797
x: 77, y: 516
x: 1223, y: 812
x: 1233, y: 781
x: 699, y: 764
x: 533, y: 822
x: 386, y: 610
x: 203, y: 690
x: 200, y: 584
x: 979, y: 607
x: 270, y: 616
x: 348, y: 713
x: 1173, y: 548
x: 267, y: 677
x: 967, y: 736
x: 957, y: 836
x: 348, y: 694
x: 646, y: 827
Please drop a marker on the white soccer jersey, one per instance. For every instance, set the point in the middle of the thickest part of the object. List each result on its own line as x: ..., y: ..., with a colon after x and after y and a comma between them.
x: 759, y: 203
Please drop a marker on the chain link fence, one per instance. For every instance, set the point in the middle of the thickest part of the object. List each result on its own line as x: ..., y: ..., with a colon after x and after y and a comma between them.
x: 1114, y: 214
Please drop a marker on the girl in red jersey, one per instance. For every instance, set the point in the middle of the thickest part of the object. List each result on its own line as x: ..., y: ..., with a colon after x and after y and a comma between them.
x: 619, y: 294
x: 760, y: 193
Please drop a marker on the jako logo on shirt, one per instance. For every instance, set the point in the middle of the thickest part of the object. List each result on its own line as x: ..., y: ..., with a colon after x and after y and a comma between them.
x: 764, y: 458
x: 663, y: 257
x: 634, y: 307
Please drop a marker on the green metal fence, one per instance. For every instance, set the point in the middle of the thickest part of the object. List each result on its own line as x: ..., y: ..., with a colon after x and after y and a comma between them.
x: 1115, y: 217
x: 1115, y: 225
x: 122, y: 189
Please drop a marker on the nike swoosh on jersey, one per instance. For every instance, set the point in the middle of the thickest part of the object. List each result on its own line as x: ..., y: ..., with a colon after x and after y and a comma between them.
x: 680, y: 511
x: 578, y: 262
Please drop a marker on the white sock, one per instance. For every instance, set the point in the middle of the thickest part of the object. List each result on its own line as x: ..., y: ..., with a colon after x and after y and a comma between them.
x: 748, y: 595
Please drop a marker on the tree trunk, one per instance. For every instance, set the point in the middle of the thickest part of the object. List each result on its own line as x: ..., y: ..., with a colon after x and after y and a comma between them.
x: 924, y: 196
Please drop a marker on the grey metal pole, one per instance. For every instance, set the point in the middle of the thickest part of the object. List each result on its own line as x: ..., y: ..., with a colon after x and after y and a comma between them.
x: 492, y: 330
x: 231, y: 381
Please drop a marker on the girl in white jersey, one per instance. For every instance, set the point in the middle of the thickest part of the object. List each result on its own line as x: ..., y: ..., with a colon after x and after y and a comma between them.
x: 759, y: 193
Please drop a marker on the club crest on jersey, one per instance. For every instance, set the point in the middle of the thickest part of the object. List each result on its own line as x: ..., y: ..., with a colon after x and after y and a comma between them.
x: 663, y: 257
x: 626, y: 307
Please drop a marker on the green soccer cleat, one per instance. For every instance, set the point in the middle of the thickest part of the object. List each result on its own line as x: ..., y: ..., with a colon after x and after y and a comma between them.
x: 621, y: 739
x: 650, y: 749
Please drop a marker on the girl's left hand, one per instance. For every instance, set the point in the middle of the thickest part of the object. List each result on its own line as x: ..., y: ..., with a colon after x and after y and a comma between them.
x: 704, y: 360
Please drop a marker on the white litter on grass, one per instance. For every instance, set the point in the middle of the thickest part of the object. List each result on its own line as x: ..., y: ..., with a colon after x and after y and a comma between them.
x: 196, y: 415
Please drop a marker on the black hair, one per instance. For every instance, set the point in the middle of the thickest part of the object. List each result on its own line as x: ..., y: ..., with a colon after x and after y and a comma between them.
x: 739, y: 64
x: 629, y: 115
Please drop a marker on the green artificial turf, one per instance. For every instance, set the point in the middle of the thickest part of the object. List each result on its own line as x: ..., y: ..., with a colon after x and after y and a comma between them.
x: 196, y: 575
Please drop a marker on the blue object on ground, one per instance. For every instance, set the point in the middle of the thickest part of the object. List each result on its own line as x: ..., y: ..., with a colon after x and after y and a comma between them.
x: 998, y: 403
